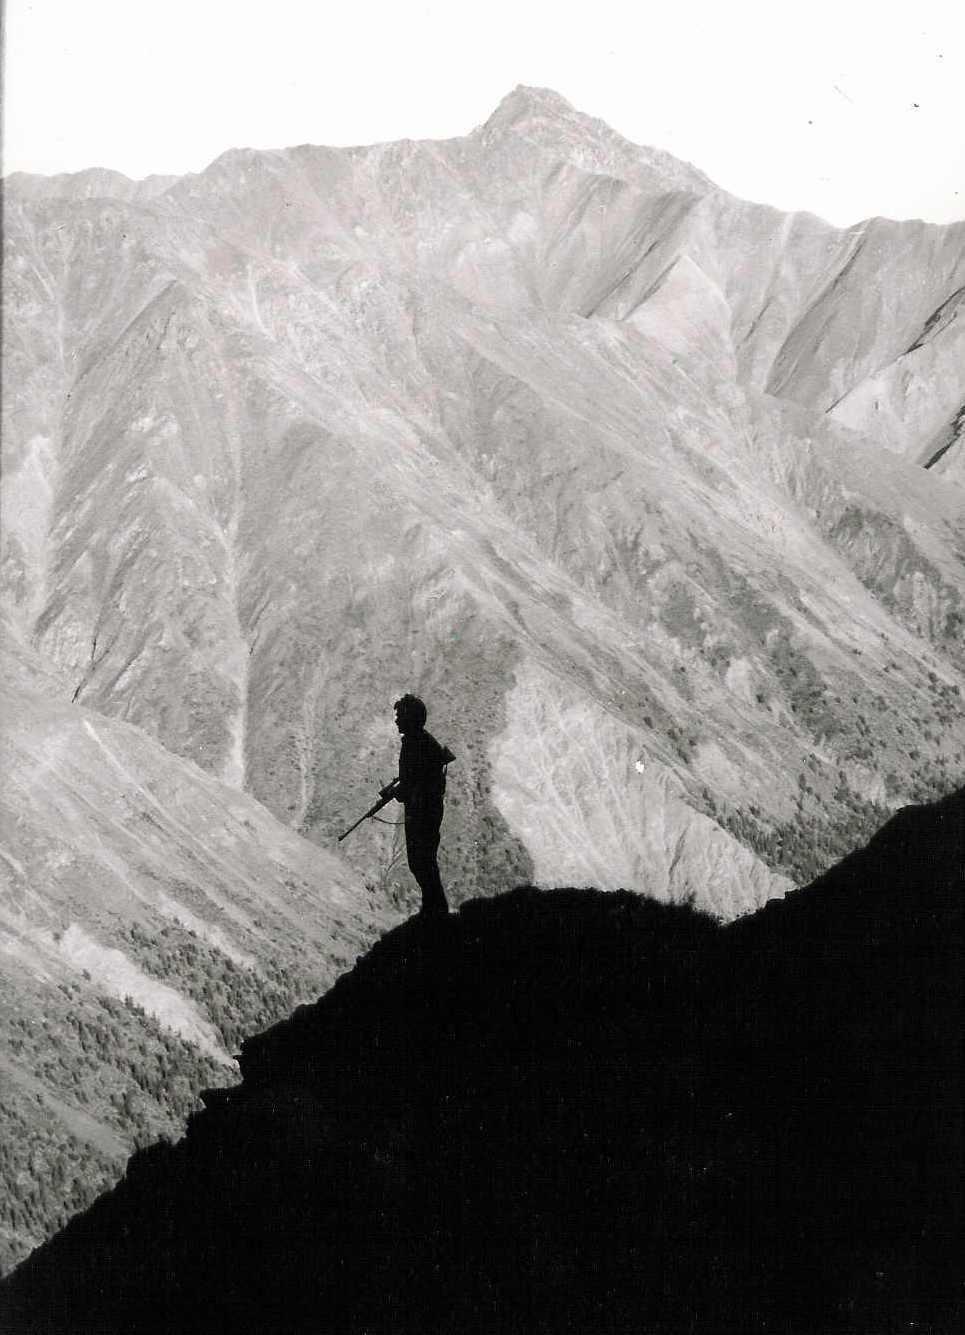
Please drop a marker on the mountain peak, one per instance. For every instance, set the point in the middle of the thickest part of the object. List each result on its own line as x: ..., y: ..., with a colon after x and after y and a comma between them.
x: 528, y: 99
x: 545, y: 117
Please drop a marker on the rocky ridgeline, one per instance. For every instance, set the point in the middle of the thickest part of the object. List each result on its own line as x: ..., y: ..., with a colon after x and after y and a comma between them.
x: 566, y: 1111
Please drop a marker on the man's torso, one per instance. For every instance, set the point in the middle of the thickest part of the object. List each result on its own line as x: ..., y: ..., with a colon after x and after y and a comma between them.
x: 423, y: 776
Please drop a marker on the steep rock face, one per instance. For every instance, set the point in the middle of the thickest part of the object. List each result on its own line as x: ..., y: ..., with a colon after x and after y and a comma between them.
x: 913, y: 401
x: 576, y: 1111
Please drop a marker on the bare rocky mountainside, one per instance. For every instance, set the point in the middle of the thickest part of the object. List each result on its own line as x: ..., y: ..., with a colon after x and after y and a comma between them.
x: 656, y: 496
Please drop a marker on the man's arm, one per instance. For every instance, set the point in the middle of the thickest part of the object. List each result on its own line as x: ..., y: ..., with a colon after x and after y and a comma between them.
x: 402, y: 783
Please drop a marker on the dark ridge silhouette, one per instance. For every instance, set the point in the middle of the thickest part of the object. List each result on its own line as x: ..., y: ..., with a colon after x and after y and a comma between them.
x: 574, y: 1111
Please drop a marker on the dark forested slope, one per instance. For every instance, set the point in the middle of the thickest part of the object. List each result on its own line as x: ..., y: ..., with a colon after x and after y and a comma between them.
x: 575, y: 1111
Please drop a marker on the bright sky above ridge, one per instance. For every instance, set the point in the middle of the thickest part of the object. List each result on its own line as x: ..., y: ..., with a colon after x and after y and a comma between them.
x: 846, y: 108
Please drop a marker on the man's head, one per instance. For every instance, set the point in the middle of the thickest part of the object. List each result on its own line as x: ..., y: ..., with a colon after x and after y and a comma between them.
x: 410, y: 714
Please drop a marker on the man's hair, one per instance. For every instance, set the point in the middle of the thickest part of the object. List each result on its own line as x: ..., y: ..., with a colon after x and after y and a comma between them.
x: 411, y: 707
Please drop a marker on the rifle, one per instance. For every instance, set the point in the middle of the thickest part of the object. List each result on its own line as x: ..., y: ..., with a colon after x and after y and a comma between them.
x: 386, y: 795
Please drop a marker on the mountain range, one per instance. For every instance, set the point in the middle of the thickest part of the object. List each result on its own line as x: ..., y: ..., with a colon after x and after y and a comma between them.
x: 656, y: 496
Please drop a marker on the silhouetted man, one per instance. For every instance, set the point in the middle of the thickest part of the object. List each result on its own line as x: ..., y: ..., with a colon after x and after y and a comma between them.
x: 421, y: 789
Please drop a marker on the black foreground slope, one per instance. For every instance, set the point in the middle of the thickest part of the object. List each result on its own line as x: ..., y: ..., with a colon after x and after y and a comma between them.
x: 575, y: 1111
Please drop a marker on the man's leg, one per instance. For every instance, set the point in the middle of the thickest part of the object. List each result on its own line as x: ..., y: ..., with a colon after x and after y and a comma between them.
x: 421, y: 846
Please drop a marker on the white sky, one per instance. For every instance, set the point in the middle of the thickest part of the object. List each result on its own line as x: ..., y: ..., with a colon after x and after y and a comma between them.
x: 805, y: 105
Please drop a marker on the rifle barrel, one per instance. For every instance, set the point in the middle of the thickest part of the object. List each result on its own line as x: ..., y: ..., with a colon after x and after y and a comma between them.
x: 347, y: 832
x: 373, y: 810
